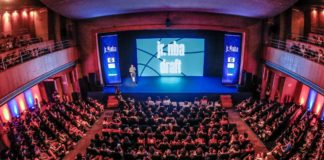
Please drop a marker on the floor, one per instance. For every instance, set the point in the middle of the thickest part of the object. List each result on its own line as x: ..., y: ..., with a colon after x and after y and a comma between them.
x: 82, y: 145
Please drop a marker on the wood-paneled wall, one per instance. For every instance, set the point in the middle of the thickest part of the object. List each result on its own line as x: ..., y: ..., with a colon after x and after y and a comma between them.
x: 301, y: 66
x: 17, y: 76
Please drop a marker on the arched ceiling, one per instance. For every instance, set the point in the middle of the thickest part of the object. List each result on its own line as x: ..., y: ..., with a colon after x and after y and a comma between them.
x: 83, y: 9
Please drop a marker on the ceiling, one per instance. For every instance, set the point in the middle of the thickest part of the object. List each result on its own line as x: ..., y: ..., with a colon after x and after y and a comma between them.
x: 83, y: 9
x: 13, y: 5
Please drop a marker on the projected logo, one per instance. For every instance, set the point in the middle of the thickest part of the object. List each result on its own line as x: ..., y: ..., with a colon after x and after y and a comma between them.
x: 170, y: 56
x: 109, y: 59
x: 232, y: 55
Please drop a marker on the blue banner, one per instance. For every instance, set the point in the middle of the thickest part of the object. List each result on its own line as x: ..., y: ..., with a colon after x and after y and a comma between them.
x: 232, y: 59
x: 108, y: 46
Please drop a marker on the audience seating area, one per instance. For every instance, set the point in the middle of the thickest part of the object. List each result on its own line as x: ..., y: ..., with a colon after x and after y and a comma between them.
x: 163, y: 129
x: 310, y: 145
x: 298, y: 140
x: 266, y: 118
x: 311, y: 47
x: 306, y: 50
x: 298, y: 134
x: 315, y: 38
x: 23, y: 54
x: 51, y: 132
x: 11, y: 42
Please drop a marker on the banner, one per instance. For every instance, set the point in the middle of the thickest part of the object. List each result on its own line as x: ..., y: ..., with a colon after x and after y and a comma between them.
x: 232, y: 59
x: 109, y: 58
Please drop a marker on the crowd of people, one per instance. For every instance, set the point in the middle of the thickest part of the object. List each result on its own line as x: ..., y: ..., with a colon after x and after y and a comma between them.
x: 316, y: 39
x: 52, y: 132
x: 308, y: 52
x: 265, y: 117
x: 310, y: 48
x: 163, y: 130
x: 298, y: 134
x: 10, y: 42
x: 291, y: 138
x: 311, y: 145
x: 24, y: 54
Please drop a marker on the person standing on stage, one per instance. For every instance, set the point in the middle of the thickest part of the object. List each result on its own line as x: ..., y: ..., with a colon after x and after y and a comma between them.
x: 132, y: 72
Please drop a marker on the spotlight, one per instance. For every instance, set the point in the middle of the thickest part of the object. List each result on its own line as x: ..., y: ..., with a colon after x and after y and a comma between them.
x: 24, y: 13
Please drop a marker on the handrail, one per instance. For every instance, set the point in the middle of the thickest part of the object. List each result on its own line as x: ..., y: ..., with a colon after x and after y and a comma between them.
x: 311, y: 55
x: 317, y: 30
x: 15, y: 33
x: 24, y: 55
x: 23, y: 42
x: 302, y: 38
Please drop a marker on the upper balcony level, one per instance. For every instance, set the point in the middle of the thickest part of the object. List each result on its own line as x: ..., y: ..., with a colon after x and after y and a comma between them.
x: 305, y: 66
x: 30, y: 67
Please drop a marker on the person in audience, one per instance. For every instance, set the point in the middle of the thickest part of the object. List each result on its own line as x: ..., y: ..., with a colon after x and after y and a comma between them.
x: 43, y: 135
x: 157, y: 131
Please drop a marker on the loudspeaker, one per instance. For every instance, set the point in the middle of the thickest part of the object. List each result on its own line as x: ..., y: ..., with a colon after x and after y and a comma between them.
x: 167, y: 22
x: 92, y: 81
x: 84, y: 86
x: 246, y: 82
x: 75, y: 96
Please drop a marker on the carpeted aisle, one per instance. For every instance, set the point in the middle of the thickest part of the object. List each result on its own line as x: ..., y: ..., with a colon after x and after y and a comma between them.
x: 82, y: 145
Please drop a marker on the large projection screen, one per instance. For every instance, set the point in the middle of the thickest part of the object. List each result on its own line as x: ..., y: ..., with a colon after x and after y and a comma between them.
x: 170, y: 56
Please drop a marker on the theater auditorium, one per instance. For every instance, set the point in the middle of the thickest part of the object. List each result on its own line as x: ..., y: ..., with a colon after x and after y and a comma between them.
x: 161, y: 80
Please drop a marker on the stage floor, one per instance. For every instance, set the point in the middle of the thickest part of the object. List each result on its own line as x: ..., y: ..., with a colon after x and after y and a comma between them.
x: 173, y: 85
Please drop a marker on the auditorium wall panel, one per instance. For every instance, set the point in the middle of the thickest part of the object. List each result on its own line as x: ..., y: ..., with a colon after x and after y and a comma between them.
x: 15, y: 77
x: 88, y: 30
x: 43, y: 91
x: 274, y: 86
x: 311, y: 99
x: 14, y: 108
x: 289, y: 89
x: 303, y: 95
x: 36, y: 93
x: 41, y: 23
x: 29, y: 98
x: 318, y: 107
x: 20, y: 99
x: 5, y: 113
x: 292, y: 63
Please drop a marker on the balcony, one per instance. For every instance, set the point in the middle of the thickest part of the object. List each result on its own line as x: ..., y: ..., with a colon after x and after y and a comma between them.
x: 306, y: 70
x: 28, y: 69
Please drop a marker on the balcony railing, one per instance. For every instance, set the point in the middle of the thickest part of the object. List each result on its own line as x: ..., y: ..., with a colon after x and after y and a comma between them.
x: 25, y: 55
x: 298, y: 50
x: 318, y: 42
x: 317, y: 30
x: 8, y: 43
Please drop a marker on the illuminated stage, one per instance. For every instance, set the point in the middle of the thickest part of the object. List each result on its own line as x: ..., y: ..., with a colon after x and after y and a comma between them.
x: 174, y: 85
x: 178, y: 88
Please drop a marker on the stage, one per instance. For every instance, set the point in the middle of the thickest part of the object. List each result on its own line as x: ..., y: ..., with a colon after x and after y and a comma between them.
x: 173, y: 85
x: 180, y: 88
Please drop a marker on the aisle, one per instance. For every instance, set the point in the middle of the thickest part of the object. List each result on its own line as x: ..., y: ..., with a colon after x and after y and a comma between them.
x: 82, y: 145
x: 234, y: 117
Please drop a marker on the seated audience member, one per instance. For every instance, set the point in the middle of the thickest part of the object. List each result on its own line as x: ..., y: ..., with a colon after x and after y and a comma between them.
x: 46, y: 134
x: 164, y: 131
